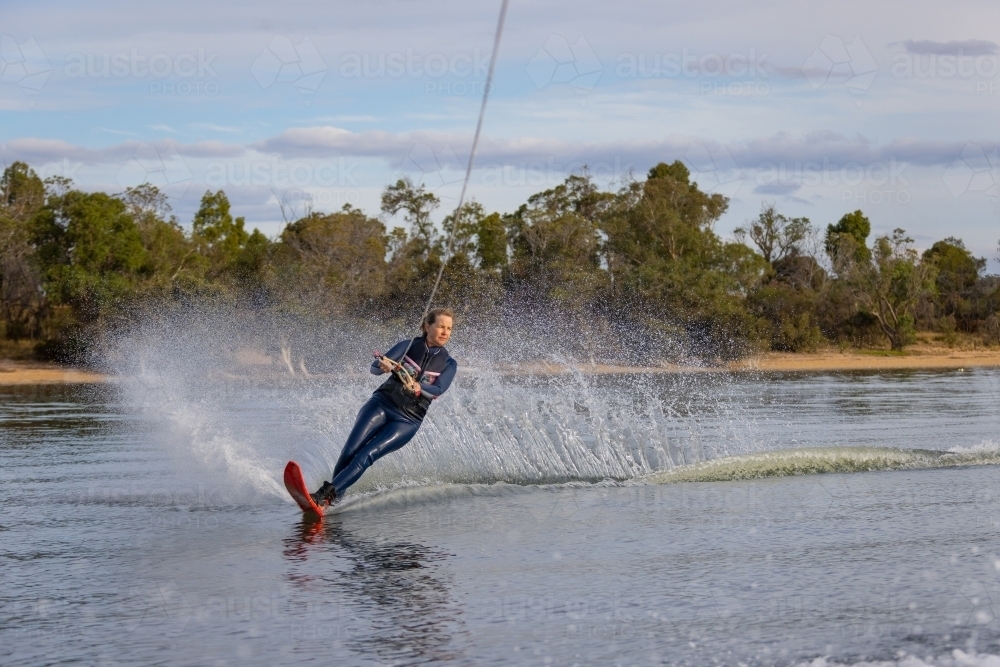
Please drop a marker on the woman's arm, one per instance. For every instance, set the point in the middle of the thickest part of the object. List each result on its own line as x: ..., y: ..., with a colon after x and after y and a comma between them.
x: 440, y: 385
x: 395, y: 353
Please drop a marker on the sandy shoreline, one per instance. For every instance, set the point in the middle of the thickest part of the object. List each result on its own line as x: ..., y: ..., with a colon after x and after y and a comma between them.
x: 14, y: 373
x: 833, y: 360
x: 825, y: 361
x: 19, y: 373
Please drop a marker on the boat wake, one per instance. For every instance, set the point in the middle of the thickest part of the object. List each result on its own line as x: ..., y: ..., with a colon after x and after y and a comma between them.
x: 825, y: 460
x: 781, y: 463
x: 957, y: 658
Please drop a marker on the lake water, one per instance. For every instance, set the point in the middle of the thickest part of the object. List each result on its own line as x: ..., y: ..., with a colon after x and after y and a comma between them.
x: 579, y: 520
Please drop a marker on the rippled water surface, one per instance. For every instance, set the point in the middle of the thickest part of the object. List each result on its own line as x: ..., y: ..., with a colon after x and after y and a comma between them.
x: 529, y: 523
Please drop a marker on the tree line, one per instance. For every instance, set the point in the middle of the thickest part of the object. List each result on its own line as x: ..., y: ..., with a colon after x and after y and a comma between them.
x: 637, y: 274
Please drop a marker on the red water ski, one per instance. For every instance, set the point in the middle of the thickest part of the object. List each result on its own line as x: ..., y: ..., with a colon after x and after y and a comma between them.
x: 297, y: 489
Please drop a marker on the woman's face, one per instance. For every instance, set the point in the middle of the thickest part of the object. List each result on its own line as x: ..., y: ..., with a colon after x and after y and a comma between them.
x: 439, y: 332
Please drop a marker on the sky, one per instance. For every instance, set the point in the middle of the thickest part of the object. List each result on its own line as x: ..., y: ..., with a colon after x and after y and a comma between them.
x: 819, y: 108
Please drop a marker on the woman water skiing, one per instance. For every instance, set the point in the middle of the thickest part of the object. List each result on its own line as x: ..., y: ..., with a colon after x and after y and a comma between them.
x: 393, y: 414
x: 421, y: 370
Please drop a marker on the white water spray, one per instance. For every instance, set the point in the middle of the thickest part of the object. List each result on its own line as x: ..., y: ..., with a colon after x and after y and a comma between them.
x: 228, y: 402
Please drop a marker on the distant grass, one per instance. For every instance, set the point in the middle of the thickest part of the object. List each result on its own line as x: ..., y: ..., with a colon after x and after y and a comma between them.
x: 18, y: 350
x: 885, y: 353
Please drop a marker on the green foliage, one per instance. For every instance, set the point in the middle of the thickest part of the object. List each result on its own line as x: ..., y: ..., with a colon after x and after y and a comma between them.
x: 556, y: 244
x: 219, y: 237
x: 957, y: 277
x: 330, y: 264
x: 417, y: 205
x: 172, y: 257
x: 491, y: 243
x: 846, y: 241
x: 23, y: 306
x: 890, y: 285
x: 638, y: 273
x: 790, y: 313
x: 22, y: 192
x: 667, y: 262
x: 91, y: 250
x: 775, y: 235
x: 676, y: 171
x: 991, y: 329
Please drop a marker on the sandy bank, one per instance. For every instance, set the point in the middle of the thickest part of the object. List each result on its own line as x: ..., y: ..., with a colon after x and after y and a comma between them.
x: 871, y: 360
x: 917, y: 357
x: 22, y: 373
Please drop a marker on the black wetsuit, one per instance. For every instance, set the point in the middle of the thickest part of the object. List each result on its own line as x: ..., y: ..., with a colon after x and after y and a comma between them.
x: 391, y: 417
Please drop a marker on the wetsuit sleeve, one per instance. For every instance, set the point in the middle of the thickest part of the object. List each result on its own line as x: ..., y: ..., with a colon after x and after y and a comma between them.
x: 395, y: 353
x: 442, y: 382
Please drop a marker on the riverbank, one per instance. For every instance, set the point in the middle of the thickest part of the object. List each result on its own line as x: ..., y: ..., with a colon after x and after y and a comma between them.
x: 20, y: 372
x: 921, y: 356
x: 830, y: 360
x: 871, y: 360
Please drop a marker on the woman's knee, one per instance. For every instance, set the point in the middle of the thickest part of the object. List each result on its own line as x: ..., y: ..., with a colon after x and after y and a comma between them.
x: 366, y: 426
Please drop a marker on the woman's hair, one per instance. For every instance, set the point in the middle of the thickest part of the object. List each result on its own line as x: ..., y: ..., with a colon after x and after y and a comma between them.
x: 435, y: 313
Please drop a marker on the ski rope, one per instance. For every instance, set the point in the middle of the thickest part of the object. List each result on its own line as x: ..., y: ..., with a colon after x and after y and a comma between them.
x: 468, y: 169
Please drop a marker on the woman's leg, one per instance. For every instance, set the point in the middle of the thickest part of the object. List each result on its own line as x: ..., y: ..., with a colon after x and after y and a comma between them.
x: 389, y: 438
x: 371, y: 417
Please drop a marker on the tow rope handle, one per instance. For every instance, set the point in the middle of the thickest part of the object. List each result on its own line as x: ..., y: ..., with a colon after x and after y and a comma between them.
x: 398, y: 369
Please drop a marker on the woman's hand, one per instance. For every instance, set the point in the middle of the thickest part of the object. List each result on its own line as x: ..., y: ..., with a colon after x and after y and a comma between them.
x: 411, y: 386
x: 386, y: 365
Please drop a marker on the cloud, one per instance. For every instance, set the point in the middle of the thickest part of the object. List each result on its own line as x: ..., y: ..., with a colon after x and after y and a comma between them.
x: 362, y: 118
x: 41, y: 151
x: 215, y: 128
x: 790, y: 71
x: 211, y: 149
x: 37, y: 151
x: 325, y: 141
x: 968, y: 47
x: 825, y: 149
x: 123, y: 133
x: 777, y: 188
x: 748, y: 154
x: 836, y: 148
